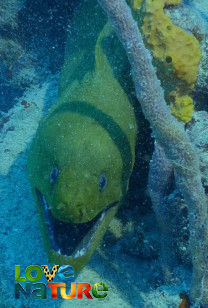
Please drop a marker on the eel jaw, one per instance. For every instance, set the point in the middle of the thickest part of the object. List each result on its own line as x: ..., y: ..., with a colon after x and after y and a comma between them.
x: 73, y: 244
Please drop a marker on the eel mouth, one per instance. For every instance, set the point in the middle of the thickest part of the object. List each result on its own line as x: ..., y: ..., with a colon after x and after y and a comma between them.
x: 69, y: 239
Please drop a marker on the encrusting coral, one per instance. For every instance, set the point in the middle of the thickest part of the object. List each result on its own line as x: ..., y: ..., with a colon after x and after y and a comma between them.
x: 171, y: 137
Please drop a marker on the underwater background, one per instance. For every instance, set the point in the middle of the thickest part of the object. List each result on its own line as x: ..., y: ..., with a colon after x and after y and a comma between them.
x: 33, y: 38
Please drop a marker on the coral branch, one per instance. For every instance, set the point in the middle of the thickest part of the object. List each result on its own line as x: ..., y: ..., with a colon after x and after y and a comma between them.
x: 161, y: 169
x: 169, y: 134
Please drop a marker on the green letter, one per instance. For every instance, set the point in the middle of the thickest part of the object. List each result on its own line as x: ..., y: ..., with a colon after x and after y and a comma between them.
x: 38, y: 276
x: 40, y: 292
x: 95, y: 290
x: 17, y: 274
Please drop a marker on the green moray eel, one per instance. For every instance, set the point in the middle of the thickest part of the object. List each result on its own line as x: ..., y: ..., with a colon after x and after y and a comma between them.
x: 82, y: 156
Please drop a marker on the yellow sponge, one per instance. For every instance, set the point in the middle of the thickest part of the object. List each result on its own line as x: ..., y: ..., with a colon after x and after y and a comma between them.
x: 169, y: 43
x: 182, y: 107
x: 136, y: 4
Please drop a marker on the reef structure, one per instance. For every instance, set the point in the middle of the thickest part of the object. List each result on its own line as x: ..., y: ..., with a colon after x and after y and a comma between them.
x: 171, y: 137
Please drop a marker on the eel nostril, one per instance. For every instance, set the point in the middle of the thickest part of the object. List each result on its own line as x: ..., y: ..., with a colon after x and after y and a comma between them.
x: 102, y: 182
x: 54, y: 175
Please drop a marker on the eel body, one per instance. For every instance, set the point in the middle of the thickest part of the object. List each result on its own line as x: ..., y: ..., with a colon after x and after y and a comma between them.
x: 82, y: 156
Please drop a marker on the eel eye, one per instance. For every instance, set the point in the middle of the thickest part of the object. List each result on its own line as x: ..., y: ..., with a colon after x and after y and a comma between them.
x: 102, y: 182
x: 54, y: 175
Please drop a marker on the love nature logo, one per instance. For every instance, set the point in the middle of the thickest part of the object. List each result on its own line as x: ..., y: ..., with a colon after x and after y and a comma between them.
x: 30, y: 285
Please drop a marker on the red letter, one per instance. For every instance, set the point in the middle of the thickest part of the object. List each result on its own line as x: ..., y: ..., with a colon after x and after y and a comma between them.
x: 86, y: 291
x: 54, y: 286
x: 73, y: 292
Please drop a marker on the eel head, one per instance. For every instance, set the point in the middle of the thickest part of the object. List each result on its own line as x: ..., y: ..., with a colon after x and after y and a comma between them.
x: 75, y: 171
